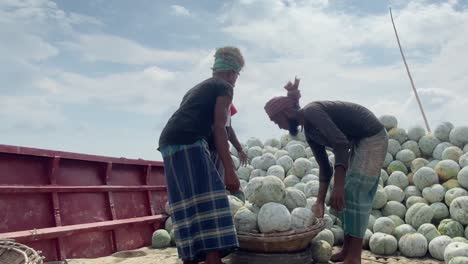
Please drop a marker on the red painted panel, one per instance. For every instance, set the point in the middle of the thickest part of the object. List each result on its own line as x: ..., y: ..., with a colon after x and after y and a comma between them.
x: 89, y: 245
x: 47, y: 247
x: 77, y: 172
x: 124, y: 174
x: 157, y: 176
x: 79, y: 208
x: 132, y: 237
x: 25, y: 211
x: 24, y: 170
x: 160, y: 199
x: 131, y: 204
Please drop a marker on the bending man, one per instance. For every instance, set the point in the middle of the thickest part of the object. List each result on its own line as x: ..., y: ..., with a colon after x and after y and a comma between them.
x: 359, y: 142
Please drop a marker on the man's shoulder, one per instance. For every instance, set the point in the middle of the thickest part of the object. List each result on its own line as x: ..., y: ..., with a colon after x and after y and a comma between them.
x: 213, y: 85
x: 213, y: 81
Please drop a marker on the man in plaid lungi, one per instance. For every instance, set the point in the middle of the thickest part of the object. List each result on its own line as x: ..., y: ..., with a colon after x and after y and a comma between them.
x: 202, y: 220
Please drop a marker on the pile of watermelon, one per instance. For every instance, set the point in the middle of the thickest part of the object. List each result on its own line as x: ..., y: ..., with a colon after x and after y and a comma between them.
x: 420, y: 208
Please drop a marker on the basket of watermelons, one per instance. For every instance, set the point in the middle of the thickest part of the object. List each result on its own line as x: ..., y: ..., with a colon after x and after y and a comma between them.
x: 280, y: 242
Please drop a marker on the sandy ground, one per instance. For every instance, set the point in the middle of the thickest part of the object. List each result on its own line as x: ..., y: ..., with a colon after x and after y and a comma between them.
x: 169, y: 256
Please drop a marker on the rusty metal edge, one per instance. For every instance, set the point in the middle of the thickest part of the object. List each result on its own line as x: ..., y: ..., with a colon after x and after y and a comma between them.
x: 76, y: 189
x: 10, y: 149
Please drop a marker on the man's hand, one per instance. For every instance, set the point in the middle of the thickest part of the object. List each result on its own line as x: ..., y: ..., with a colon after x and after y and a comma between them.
x: 243, y: 158
x: 318, y: 209
x: 231, y: 181
x: 337, y: 201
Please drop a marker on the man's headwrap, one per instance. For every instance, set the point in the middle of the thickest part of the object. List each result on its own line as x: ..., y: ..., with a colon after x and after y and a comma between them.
x: 228, y: 59
x: 285, y: 103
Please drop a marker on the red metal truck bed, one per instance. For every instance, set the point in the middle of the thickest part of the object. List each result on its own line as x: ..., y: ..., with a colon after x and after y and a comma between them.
x: 71, y: 205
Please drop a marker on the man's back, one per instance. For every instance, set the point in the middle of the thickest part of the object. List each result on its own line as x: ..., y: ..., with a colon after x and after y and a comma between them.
x: 354, y: 121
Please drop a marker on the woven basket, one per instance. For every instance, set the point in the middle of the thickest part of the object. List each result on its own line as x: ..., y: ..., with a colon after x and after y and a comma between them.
x: 12, y: 252
x: 283, y: 242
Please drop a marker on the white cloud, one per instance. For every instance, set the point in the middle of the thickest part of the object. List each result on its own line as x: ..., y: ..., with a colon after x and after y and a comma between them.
x: 330, y: 52
x: 43, y: 17
x: 27, y: 31
x: 310, y: 30
x: 25, y: 47
x: 46, y: 91
x: 152, y: 90
x: 25, y: 28
x: 110, y: 48
x: 439, y: 105
x: 77, y: 19
x: 180, y: 10
x: 29, y: 113
x: 424, y: 24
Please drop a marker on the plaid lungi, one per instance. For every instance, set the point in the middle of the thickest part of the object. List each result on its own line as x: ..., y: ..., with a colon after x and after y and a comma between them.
x: 220, y: 167
x: 201, y: 215
x: 218, y: 163
x: 361, y: 182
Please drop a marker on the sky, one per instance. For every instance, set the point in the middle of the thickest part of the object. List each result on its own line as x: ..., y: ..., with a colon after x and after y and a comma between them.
x: 103, y: 77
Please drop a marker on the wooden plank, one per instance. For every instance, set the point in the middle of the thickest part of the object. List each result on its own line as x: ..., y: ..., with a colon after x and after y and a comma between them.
x: 61, y: 231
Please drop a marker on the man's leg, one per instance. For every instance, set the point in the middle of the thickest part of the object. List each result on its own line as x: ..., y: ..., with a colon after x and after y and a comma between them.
x: 356, y: 215
x: 213, y: 257
x: 340, y: 256
x: 365, y: 173
x: 354, y: 251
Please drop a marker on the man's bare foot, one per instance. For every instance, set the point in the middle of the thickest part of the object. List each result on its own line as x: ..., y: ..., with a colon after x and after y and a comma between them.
x: 354, y: 251
x: 338, y: 257
x: 213, y: 257
x: 352, y: 261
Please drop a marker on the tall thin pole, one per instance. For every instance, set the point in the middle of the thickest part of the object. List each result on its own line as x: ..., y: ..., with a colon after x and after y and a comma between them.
x: 409, y: 74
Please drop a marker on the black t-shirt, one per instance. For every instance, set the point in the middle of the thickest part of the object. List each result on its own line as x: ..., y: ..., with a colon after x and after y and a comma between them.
x: 194, y: 118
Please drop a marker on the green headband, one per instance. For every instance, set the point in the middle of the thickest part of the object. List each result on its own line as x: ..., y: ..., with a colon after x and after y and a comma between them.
x: 226, y: 64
